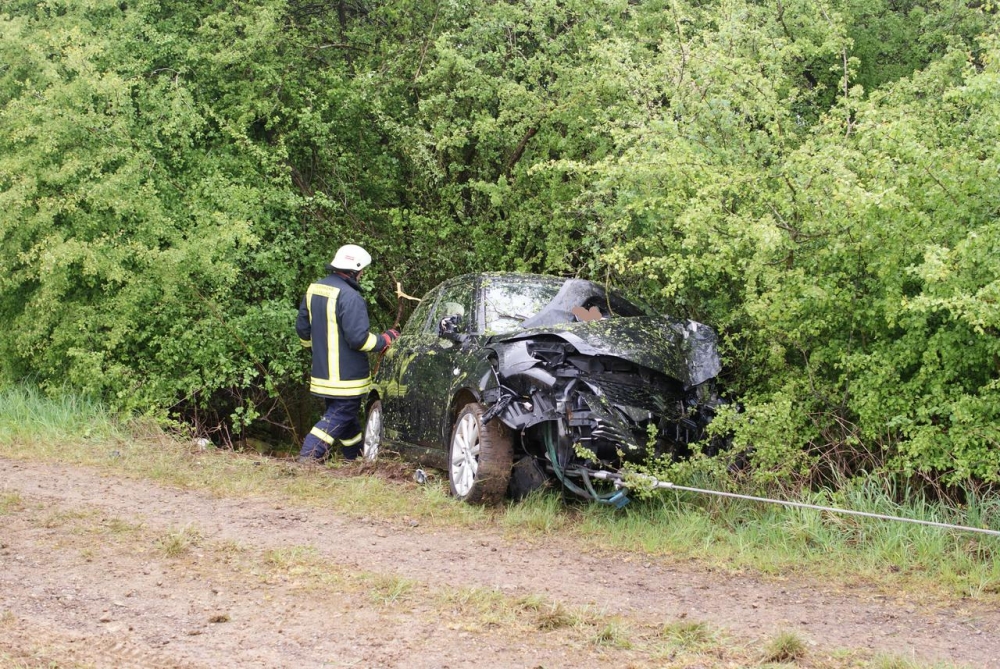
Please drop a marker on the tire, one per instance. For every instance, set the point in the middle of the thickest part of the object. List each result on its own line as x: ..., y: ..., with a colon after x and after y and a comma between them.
x: 527, y: 476
x: 373, y: 439
x: 480, y: 458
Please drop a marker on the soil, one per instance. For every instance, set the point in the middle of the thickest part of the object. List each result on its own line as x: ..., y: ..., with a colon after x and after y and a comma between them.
x: 88, y: 579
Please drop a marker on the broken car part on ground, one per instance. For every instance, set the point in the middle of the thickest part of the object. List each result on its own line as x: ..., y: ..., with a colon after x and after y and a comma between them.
x: 510, y: 382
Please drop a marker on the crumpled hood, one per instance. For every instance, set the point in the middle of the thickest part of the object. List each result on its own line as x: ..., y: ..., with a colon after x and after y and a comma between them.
x: 684, y: 350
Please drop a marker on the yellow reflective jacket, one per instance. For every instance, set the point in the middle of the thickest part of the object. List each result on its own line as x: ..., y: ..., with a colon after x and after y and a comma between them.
x: 333, y: 321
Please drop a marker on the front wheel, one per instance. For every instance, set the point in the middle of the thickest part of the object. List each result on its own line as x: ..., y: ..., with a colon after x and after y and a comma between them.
x: 373, y: 432
x: 480, y: 457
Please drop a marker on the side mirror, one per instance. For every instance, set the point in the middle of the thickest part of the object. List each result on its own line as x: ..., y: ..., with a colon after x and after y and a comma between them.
x: 449, y: 327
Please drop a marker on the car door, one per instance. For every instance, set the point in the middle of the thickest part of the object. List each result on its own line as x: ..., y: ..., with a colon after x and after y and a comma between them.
x: 425, y: 377
x: 415, y: 338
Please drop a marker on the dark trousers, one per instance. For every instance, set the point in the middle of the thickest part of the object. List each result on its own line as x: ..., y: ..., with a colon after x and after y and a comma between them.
x: 339, y: 423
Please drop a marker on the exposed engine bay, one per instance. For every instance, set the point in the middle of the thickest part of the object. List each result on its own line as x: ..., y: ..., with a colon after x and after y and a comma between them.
x: 592, y: 393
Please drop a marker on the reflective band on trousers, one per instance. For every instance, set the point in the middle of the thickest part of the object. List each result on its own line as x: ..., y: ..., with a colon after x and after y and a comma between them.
x: 328, y: 440
x: 352, y: 440
x: 316, y: 432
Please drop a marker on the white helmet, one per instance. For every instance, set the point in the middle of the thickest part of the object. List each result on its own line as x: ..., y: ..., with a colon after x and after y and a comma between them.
x: 351, y: 257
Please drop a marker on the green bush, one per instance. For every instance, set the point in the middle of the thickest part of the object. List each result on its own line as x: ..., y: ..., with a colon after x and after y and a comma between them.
x: 816, y: 179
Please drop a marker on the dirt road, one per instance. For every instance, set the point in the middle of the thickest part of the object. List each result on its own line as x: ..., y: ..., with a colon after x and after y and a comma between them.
x: 100, y: 571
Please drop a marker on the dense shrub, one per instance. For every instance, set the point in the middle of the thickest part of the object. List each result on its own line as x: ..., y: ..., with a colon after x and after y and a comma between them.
x: 815, y: 178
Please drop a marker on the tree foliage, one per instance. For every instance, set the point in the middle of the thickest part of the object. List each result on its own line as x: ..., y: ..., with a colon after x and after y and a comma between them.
x: 815, y: 178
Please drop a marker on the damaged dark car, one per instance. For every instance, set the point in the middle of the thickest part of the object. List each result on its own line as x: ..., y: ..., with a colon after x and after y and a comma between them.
x: 512, y: 382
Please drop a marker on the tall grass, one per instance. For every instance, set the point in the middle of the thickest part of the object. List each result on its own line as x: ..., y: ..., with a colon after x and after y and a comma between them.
x: 28, y: 415
x: 740, y: 534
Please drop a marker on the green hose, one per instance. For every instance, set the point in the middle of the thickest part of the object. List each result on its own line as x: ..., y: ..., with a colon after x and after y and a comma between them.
x: 616, y: 498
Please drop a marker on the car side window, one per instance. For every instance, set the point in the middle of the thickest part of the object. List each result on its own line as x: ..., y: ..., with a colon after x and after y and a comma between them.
x: 419, y: 322
x: 456, y: 300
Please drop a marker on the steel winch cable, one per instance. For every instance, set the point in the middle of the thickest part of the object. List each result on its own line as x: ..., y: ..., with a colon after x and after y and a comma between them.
x: 654, y: 483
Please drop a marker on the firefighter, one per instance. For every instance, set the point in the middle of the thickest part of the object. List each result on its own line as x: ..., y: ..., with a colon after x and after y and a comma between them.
x: 333, y: 322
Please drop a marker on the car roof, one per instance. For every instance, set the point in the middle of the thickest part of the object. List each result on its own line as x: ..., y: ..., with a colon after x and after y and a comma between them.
x: 513, y: 276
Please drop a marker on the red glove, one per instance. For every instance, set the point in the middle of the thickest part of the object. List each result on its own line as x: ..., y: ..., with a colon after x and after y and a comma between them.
x: 388, y: 337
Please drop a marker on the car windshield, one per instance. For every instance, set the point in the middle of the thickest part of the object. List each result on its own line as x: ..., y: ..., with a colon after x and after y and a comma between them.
x: 537, y: 302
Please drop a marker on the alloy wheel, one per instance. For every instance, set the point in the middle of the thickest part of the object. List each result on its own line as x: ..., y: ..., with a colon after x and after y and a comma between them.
x: 373, y: 432
x: 465, y: 450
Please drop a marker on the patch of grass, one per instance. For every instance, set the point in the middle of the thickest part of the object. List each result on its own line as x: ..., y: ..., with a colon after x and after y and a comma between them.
x: 10, y: 502
x: 389, y: 589
x: 121, y: 527
x: 231, y: 547
x: 7, y: 618
x: 785, y: 647
x: 482, y: 608
x: 532, y: 602
x: 556, y: 616
x: 65, y: 516
x: 542, y: 513
x: 687, y: 634
x: 613, y: 633
x: 305, y: 564
x: 9, y: 662
x: 548, y: 615
x: 896, y: 662
x: 474, y: 601
x: 290, y: 557
x: 885, y: 662
x: 176, y: 543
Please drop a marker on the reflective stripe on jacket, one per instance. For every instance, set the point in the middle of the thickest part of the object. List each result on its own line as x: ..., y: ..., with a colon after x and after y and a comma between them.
x: 333, y: 321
